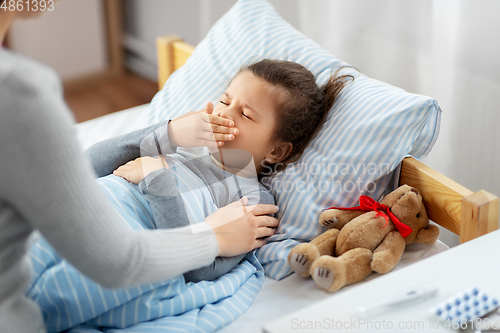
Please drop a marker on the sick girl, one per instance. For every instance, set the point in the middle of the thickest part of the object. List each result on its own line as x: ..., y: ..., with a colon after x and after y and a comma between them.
x: 263, y: 121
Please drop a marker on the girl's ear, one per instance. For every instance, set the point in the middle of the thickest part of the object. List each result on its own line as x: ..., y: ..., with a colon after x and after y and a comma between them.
x: 279, y: 153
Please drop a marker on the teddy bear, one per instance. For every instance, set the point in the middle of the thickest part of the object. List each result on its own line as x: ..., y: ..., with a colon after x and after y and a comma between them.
x: 360, y: 240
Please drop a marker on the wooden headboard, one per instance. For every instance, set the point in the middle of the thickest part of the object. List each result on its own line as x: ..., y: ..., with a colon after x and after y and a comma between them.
x: 449, y: 204
x: 172, y: 53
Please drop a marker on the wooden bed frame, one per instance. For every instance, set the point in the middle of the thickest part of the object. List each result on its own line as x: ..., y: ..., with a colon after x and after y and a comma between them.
x: 454, y: 207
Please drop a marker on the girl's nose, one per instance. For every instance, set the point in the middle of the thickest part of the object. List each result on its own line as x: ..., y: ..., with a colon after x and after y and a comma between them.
x: 226, y: 114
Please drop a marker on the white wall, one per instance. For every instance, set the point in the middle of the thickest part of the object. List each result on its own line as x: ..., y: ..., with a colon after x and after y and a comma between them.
x: 189, y: 19
x: 71, y: 39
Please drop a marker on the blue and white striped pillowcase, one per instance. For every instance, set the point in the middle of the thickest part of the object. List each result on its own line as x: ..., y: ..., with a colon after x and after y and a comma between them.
x: 371, y: 122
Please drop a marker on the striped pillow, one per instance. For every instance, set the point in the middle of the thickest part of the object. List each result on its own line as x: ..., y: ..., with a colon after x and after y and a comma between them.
x: 368, y: 132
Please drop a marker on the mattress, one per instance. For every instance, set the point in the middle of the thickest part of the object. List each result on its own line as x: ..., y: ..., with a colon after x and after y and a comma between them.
x: 276, y: 298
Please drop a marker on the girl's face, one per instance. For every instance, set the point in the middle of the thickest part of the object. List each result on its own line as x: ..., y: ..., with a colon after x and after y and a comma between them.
x: 249, y: 101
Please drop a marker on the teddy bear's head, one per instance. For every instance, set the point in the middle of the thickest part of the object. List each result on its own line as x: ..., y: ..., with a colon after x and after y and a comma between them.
x: 407, y: 205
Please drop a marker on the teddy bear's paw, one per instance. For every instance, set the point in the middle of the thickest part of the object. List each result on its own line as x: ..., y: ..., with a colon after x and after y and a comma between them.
x: 323, y: 277
x: 301, y: 257
x: 328, y: 273
x: 331, y: 223
x: 299, y: 263
x: 328, y: 219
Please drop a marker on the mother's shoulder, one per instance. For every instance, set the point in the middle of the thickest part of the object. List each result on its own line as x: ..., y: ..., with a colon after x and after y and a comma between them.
x: 31, y: 76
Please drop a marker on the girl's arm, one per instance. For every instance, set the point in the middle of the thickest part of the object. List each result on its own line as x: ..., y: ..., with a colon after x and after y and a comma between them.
x: 107, y: 155
x: 158, y: 185
x: 193, y: 129
x: 160, y: 189
x: 219, y: 267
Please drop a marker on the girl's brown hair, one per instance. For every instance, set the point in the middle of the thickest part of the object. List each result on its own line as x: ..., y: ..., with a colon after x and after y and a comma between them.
x: 302, y: 105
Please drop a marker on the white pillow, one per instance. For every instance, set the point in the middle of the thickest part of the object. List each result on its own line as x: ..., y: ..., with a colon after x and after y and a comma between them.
x: 370, y: 129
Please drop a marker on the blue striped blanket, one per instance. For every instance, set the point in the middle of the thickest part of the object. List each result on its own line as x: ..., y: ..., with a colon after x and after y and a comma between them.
x: 70, y: 301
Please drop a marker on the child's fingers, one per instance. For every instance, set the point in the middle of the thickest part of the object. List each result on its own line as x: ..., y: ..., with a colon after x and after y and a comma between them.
x: 210, y: 108
x: 120, y: 169
x: 212, y: 140
x: 212, y: 143
x: 265, y: 232
x: 220, y: 125
x: 121, y: 172
x: 259, y: 243
x: 264, y: 209
x: 224, y: 130
x: 210, y: 136
x: 217, y: 120
x: 223, y: 137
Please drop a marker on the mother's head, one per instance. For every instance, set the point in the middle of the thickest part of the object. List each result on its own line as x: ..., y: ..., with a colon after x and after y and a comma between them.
x: 15, y: 10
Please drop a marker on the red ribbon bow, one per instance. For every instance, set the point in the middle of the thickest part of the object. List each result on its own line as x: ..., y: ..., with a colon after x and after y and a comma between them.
x: 368, y: 204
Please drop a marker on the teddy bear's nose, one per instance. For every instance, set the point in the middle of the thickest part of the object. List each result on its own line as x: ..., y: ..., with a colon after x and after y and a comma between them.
x: 414, y: 190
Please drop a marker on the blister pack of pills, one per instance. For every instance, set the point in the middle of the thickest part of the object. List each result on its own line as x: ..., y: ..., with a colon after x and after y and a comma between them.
x: 466, y: 306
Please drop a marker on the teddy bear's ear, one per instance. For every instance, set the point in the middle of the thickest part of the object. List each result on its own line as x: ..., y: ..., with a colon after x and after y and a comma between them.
x: 427, y: 236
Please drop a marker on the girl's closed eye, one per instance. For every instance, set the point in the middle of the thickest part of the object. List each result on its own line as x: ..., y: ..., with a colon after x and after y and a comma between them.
x: 244, y: 115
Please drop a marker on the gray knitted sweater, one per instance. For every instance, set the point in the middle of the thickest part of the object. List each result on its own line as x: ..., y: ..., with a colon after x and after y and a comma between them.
x: 47, y: 185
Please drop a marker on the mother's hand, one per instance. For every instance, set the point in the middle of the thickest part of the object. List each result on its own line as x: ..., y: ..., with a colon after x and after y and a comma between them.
x: 239, y: 228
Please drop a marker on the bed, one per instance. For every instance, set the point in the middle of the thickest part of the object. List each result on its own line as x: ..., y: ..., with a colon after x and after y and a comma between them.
x: 253, y: 29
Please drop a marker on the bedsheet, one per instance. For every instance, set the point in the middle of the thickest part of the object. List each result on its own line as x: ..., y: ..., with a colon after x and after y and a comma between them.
x: 293, y: 293
x: 70, y: 301
x: 108, y: 126
x: 275, y: 298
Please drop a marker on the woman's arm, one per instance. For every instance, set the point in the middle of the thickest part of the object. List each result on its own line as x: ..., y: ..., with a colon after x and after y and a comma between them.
x: 47, y: 182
